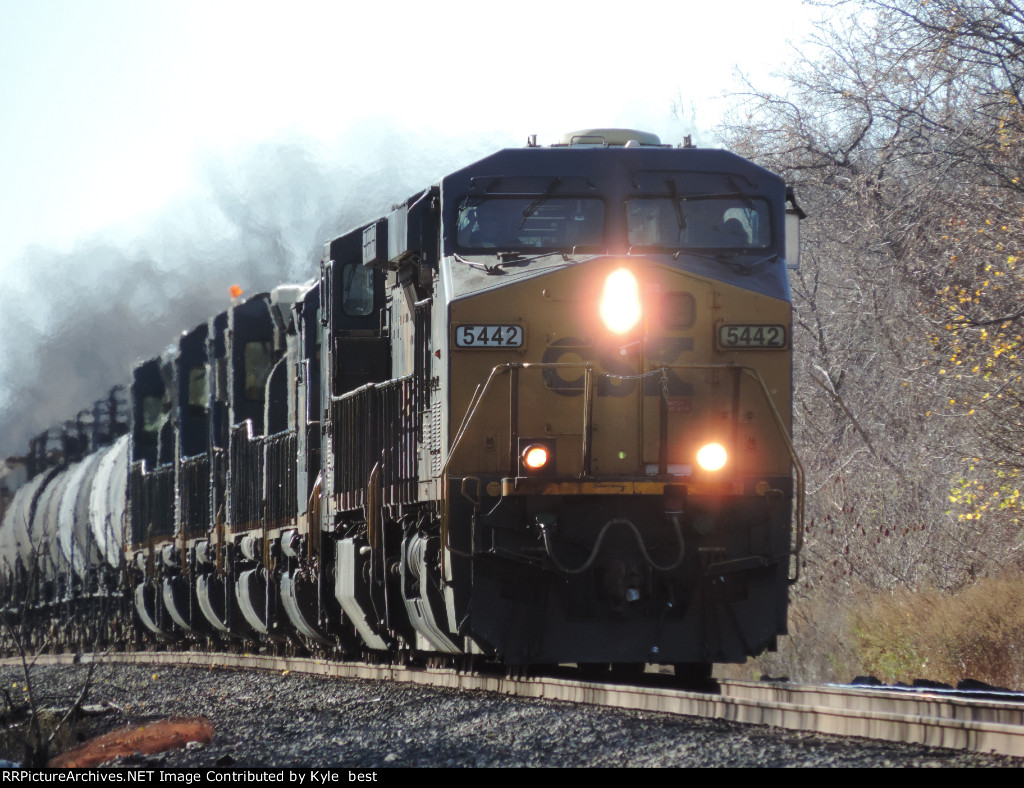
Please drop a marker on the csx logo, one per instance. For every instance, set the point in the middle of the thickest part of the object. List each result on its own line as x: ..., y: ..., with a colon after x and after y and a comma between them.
x: 621, y: 378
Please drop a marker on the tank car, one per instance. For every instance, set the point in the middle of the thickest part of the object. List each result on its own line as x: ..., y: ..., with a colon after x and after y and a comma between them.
x: 539, y: 413
x: 61, y: 540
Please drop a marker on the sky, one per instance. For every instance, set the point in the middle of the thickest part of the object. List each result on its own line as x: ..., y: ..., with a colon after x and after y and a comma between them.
x: 137, y: 135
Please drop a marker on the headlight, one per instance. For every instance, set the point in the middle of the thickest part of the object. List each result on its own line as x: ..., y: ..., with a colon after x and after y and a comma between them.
x: 620, y: 301
x: 712, y: 457
x: 535, y: 457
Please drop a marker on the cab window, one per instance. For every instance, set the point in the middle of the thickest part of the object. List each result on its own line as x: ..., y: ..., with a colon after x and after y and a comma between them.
x: 153, y: 413
x: 529, y: 223
x: 198, y: 389
x: 259, y: 359
x: 356, y: 290
x: 702, y: 222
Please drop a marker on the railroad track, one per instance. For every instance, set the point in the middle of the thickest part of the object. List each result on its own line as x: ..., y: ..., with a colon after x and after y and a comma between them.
x: 929, y: 718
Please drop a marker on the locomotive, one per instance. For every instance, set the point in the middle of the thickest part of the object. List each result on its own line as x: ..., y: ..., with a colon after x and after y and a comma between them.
x: 539, y: 413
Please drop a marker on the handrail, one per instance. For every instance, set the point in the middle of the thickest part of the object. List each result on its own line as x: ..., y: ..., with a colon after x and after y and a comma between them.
x: 589, y: 388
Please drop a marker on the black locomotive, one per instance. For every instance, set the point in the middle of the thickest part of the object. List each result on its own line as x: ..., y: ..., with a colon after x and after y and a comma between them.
x: 539, y: 413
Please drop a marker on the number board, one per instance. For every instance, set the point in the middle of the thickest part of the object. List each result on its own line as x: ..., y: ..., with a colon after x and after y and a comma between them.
x: 489, y: 336
x: 751, y: 336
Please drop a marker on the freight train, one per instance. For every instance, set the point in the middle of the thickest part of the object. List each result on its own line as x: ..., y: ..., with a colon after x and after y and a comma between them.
x: 539, y: 413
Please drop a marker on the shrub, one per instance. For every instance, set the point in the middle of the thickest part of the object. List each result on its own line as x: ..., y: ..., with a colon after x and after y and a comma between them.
x: 976, y: 633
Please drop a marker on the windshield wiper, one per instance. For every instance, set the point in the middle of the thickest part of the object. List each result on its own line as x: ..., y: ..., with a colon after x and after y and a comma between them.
x: 677, y: 205
x: 724, y: 257
x: 510, y: 259
x: 530, y: 209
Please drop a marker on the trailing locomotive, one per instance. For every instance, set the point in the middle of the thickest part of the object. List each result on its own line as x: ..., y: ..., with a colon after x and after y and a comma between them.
x: 539, y: 413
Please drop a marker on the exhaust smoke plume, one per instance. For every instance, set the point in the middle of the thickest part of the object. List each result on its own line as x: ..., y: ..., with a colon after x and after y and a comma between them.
x: 73, y: 324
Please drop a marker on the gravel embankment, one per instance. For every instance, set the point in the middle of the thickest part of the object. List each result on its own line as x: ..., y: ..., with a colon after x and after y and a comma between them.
x: 266, y: 719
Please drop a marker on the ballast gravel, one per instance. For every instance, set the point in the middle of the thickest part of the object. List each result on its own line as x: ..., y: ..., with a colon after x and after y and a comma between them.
x: 277, y: 720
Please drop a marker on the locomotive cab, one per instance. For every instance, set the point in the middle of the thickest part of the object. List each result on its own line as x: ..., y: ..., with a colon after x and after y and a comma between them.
x: 618, y: 463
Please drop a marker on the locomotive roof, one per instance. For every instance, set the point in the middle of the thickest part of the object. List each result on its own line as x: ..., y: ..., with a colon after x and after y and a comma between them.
x: 599, y: 162
x: 614, y: 174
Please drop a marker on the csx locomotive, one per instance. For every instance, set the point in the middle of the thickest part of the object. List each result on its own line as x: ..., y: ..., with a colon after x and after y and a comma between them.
x: 538, y: 413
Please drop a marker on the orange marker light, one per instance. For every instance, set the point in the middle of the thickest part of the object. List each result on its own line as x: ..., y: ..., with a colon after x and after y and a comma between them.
x: 620, y: 301
x: 235, y: 291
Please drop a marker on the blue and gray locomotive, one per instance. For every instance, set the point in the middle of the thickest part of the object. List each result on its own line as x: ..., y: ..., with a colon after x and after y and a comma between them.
x: 539, y: 413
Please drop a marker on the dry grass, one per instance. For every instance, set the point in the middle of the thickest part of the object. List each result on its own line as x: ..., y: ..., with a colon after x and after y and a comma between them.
x: 818, y: 648
x: 977, y: 633
x: 902, y: 635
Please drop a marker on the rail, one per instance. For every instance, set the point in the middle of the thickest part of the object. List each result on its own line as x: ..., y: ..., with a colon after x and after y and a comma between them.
x: 151, y: 493
x: 376, y: 424
x: 263, y: 477
x: 194, y: 495
x: 929, y: 719
x: 245, y: 479
x: 280, y: 479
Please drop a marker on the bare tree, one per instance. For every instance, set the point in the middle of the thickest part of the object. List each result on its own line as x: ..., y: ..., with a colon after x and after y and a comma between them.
x: 900, y: 129
x: 28, y: 633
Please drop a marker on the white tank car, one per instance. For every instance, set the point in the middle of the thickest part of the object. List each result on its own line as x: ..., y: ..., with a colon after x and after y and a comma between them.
x: 16, y: 530
x: 107, y: 501
x: 74, y: 535
x: 45, y: 541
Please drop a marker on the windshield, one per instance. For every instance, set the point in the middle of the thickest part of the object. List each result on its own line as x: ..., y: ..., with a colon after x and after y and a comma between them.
x: 259, y: 360
x: 153, y: 413
x: 702, y: 222
x: 529, y: 223
x: 357, y: 290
